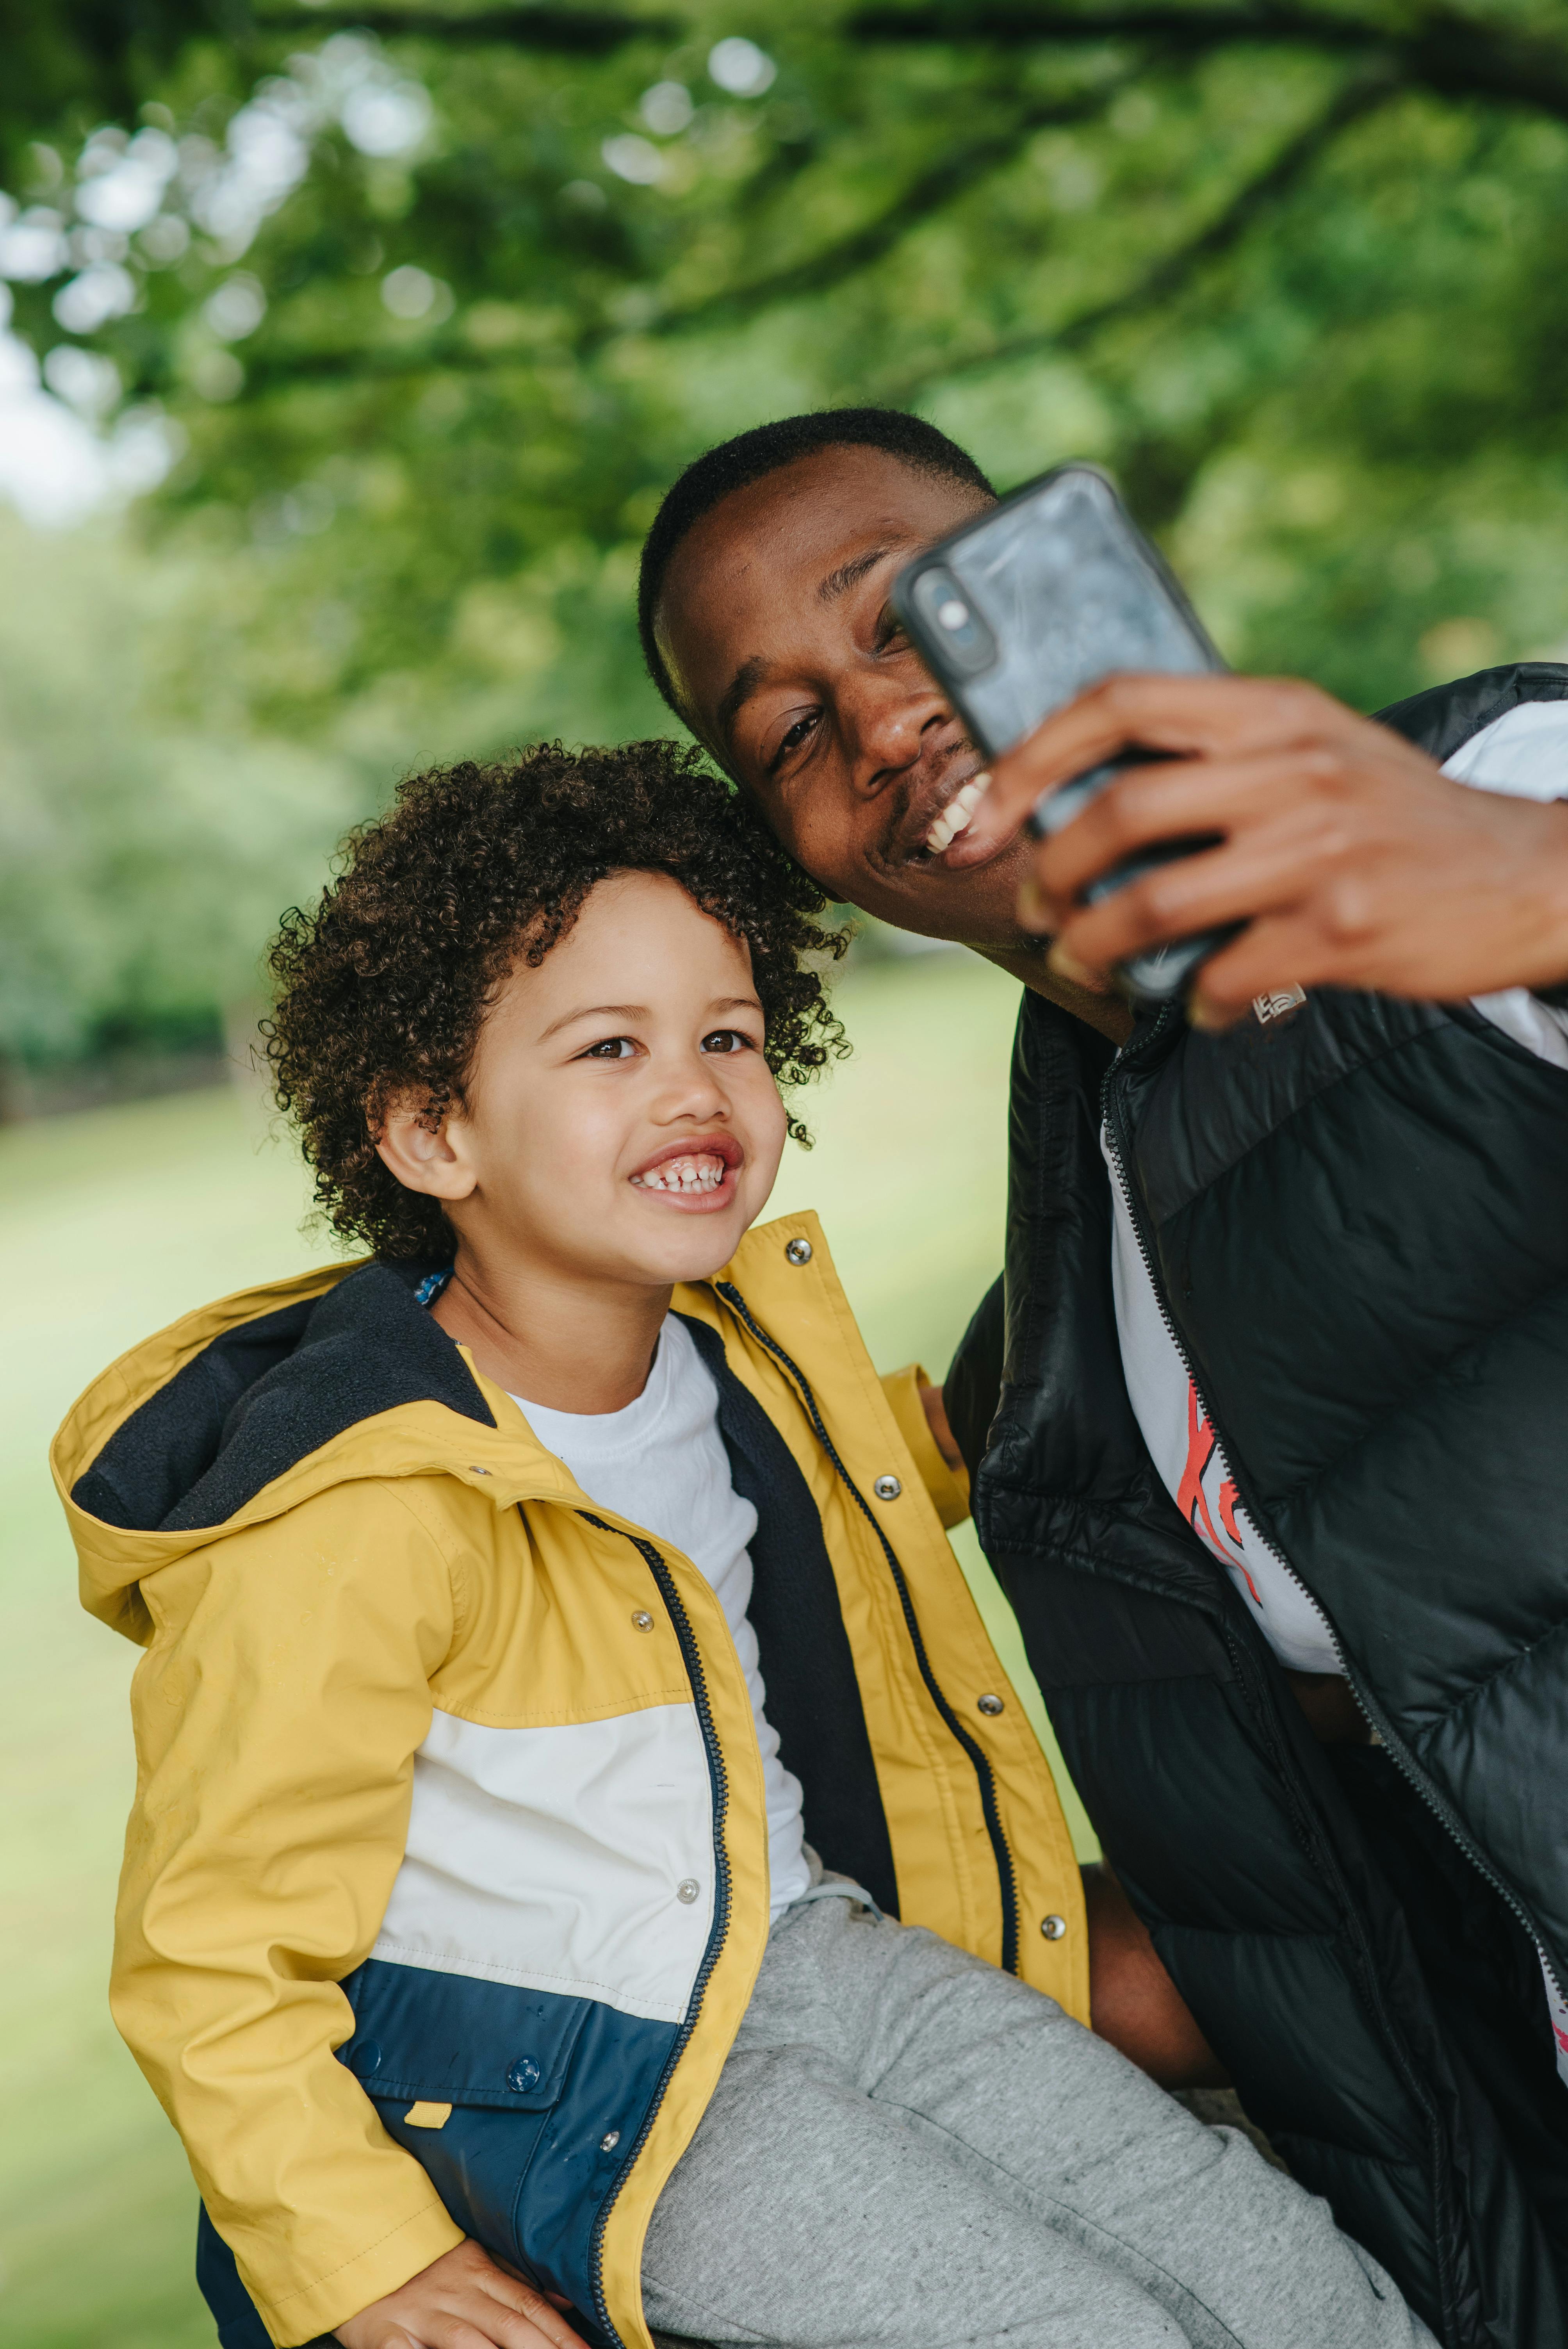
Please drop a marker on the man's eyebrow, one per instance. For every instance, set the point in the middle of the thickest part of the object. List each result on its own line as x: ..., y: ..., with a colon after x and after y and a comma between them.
x: 751, y: 673
x: 849, y: 575
x: 738, y: 692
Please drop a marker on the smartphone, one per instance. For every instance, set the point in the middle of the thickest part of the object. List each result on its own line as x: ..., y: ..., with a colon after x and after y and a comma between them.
x: 1028, y: 605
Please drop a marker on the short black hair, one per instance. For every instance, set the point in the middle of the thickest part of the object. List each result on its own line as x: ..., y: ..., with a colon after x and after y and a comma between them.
x: 382, y: 987
x: 751, y: 456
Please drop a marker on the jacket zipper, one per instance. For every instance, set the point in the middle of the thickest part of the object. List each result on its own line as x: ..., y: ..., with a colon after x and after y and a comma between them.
x: 1109, y: 1112
x: 1376, y: 1719
x: 1006, y: 1874
x: 691, y: 1658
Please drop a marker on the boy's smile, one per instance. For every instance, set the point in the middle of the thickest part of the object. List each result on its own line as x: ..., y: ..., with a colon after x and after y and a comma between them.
x: 695, y: 1175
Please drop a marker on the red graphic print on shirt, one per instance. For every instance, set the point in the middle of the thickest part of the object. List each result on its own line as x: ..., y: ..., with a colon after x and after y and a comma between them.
x: 1203, y: 1454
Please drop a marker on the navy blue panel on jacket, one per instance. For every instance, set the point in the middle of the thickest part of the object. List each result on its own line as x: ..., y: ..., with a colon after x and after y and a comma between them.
x: 548, y: 2096
x: 547, y: 2093
x: 1355, y: 1218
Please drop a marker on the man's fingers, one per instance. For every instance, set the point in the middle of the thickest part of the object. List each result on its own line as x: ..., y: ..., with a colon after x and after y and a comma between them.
x: 1153, y: 805
x: 1240, y: 879
x: 1270, y: 957
x: 1187, y: 716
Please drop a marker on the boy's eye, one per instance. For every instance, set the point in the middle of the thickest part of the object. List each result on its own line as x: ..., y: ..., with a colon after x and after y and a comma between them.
x: 614, y: 1048
x: 726, y: 1039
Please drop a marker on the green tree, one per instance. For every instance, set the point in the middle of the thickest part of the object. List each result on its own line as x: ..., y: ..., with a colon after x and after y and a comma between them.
x: 433, y: 301
x: 141, y: 864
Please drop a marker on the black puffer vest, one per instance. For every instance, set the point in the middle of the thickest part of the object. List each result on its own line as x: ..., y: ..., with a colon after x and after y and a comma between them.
x: 1356, y: 1220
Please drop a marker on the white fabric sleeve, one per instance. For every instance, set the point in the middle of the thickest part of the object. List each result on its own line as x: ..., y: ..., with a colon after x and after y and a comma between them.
x: 1524, y: 755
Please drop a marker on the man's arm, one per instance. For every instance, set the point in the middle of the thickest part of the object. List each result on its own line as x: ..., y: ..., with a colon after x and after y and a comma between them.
x: 1133, y: 2003
x: 1350, y: 857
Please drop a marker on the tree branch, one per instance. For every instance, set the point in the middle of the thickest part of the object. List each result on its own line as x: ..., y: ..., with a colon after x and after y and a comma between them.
x: 569, y: 32
x: 955, y: 172
x: 1169, y: 274
x: 952, y: 175
x: 1450, y: 54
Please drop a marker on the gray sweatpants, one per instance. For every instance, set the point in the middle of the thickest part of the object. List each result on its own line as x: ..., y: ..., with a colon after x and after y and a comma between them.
x: 907, y: 2149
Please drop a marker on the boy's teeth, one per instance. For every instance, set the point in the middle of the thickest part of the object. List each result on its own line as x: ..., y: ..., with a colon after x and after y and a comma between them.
x: 702, y: 1174
x: 954, y: 817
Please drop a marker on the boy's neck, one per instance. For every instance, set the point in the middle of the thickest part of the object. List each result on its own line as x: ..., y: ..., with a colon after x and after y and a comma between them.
x: 546, y: 1338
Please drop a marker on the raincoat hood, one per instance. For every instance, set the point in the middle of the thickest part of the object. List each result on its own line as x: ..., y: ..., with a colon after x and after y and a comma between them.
x: 247, y: 1407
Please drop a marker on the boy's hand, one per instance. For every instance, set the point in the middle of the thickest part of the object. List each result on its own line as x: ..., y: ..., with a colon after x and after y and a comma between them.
x: 461, y: 2301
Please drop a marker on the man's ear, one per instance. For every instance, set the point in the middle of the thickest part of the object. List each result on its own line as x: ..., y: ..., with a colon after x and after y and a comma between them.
x: 425, y: 1157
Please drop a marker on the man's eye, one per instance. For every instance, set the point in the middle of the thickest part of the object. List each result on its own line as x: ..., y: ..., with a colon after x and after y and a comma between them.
x: 795, y: 736
x: 726, y: 1039
x: 614, y: 1048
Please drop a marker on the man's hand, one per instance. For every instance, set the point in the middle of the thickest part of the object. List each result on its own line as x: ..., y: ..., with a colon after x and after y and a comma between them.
x: 1132, y: 2000
x: 462, y: 2301
x: 934, y: 1404
x: 1351, y: 858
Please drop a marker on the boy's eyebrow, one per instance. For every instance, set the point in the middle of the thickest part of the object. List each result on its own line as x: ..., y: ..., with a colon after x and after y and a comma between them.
x: 640, y: 1011
x: 597, y: 1012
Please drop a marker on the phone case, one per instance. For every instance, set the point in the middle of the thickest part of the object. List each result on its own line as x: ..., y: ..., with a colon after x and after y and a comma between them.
x: 1040, y: 596
x: 1033, y: 601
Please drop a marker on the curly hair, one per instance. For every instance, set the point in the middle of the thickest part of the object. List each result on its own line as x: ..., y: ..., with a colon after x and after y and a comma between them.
x: 382, y: 988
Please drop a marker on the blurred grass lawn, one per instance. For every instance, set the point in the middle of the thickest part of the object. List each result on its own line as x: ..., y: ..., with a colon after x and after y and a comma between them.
x: 112, y: 1222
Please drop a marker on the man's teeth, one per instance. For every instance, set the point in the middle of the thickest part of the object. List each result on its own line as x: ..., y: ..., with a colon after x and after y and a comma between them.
x: 704, y: 1173
x: 954, y: 817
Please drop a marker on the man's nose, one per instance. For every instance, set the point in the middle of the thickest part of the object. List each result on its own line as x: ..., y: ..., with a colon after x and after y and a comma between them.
x: 889, y: 723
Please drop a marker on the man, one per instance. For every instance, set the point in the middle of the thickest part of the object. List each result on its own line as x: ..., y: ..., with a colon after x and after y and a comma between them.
x: 1266, y: 1418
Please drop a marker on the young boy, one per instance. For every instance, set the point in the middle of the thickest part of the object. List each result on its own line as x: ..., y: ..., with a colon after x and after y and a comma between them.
x: 517, y: 1600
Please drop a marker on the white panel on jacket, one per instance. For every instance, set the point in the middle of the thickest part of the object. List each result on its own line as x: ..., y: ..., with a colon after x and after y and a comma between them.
x: 1523, y: 754
x: 577, y: 1859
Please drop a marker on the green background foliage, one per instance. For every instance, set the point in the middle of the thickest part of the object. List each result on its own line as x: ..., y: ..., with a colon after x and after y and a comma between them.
x: 429, y: 303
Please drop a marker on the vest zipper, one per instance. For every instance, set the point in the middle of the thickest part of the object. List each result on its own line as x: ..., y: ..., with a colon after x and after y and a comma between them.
x: 1006, y: 1874
x: 1442, y: 2228
x: 692, y: 1659
x: 1375, y: 1718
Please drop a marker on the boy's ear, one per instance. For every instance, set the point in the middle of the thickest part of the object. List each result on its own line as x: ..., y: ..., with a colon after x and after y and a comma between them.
x: 425, y: 1157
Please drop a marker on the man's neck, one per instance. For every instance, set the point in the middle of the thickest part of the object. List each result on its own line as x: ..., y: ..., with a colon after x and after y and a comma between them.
x: 1113, y: 1017
x: 570, y: 1344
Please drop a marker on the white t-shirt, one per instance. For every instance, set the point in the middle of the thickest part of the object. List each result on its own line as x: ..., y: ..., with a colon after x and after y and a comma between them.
x: 1523, y: 753
x: 662, y: 1464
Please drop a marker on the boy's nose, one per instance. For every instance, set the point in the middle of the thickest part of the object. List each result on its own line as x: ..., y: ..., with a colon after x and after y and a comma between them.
x: 696, y: 1091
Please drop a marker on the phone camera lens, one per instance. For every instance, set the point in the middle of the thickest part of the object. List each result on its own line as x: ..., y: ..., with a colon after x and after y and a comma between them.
x: 952, y: 621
